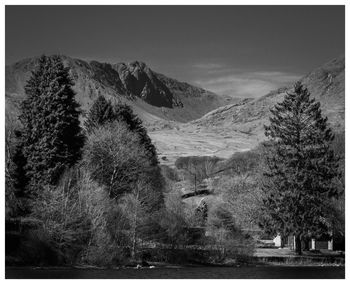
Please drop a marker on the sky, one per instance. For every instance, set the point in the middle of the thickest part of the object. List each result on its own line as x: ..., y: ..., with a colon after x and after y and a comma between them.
x: 243, y: 51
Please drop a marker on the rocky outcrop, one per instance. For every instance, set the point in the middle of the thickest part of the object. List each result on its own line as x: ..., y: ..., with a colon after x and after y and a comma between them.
x: 152, y: 94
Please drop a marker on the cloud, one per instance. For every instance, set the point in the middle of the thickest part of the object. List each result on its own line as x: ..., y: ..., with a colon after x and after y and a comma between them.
x: 207, y: 66
x: 247, y: 84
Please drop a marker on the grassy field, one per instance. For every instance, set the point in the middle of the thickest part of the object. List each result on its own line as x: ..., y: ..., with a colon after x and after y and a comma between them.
x: 189, y: 140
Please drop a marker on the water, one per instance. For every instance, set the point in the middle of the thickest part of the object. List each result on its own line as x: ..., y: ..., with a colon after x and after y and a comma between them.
x: 262, y: 272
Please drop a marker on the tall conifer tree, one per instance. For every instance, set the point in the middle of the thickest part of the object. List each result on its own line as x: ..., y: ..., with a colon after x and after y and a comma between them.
x: 100, y: 113
x: 52, y: 138
x: 302, y: 168
x: 123, y: 112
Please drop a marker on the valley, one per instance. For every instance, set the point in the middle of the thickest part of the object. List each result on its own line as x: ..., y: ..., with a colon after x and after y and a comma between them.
x: 183, y: 120
x: 240, y: 126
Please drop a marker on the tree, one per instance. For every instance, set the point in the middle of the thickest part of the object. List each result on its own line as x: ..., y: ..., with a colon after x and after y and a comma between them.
x: 142, y: 216
x: 103, y: 111
x: 301, y: 169
x: 197, y: 169
x: 52, y: 138
x: 242, y: 198
x: 124, y: 113
x: 226, y: 235
x: 151, y: 174
x: 13, y: 166
x: 174, y: 222
x: 114, y: 158
x: 100, y: 113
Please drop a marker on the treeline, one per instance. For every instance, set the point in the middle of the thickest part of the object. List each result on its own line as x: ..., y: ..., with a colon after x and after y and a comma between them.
x: 239, y: 181
x: 96, y: 194
x: 292, y: 184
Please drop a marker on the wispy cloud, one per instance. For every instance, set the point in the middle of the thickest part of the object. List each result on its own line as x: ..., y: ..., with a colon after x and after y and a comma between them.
x: 208, y: 66
x: 246, y: 84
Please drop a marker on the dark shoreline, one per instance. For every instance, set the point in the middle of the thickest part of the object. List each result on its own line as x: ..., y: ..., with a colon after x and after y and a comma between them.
x: 183, y: 272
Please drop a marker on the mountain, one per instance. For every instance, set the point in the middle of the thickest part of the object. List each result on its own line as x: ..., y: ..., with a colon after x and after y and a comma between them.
x: 185, y: 120
x: 326, y: 84
x: 154, y: 97
x: 240, y: 126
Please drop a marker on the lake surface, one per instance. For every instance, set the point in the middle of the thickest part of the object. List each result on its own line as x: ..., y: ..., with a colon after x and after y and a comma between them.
x: 262, y: 272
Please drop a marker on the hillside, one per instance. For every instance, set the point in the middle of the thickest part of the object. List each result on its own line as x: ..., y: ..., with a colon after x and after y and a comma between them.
x: 182, y: 119
x: 239, y: 126
x: 326, y: 84
x: 154, y: 97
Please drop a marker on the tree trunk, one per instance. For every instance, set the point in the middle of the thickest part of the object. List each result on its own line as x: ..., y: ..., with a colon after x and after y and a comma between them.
x: 298, y: 244
x: 133, y: 248
x: 134, y: 235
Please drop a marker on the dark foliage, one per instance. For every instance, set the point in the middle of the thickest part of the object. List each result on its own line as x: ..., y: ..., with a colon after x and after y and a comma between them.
x: 52, y: 138
x: 196, y: 168
x: 124, y: 113
x: 20, y: 179
x: 182, y: 162
x: 302, y: 167
x: 100, y: 113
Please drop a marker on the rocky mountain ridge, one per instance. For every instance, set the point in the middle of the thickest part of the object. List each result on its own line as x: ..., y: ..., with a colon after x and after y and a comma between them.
x: 154, y: 96
x: 185, y: 120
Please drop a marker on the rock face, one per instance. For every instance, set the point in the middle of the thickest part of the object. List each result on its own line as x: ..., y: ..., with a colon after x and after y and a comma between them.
x: 153, y: 95
x: 138, y: 80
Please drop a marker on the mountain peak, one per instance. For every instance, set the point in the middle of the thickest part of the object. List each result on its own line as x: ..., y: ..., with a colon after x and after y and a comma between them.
x: 138, y: 64
x: 134, y: 82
